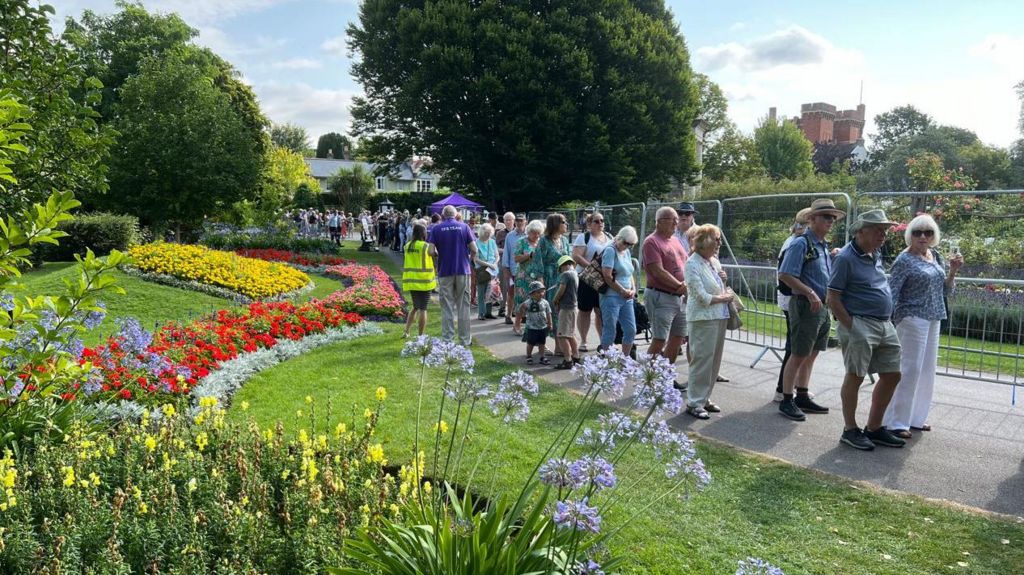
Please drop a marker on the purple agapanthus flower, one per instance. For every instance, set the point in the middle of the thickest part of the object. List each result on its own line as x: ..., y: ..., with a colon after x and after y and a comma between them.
x: 577, y: 515
x: 6, y: 301
x: 556, y: 473
x: 450, y: 355
x: 591, y: 567
x: 605, y: 372
x: 519, y: 380
x: 94, y: 318
x: 419, y: 348
x: 511, y: 406
x: 134, y: 339
x: 755, y: 566
x: 594, y: 471
x: 655, y: 378
x: 466, y: 389
x: 612, y: 426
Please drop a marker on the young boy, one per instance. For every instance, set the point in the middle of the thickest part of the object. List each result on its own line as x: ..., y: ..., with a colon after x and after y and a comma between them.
x: 537, y: 312
x: 565, y: 302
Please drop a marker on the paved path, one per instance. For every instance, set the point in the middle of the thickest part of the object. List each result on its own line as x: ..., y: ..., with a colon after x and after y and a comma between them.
x: 974, y: 455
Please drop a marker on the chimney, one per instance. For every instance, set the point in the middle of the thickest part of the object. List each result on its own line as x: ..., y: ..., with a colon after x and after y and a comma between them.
x: 860, y: 112
x: 330, y: 154
x: 771, y: 114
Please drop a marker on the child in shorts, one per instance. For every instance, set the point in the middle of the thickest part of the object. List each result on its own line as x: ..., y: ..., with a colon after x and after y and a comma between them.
x: 537, y: 313
x: 565, y: 302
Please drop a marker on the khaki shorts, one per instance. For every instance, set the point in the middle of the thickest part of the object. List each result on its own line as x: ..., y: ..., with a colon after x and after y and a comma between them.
x: 808, y: 331
x: 667, y: 313
x: 566, y: 322
x: 870, y: 346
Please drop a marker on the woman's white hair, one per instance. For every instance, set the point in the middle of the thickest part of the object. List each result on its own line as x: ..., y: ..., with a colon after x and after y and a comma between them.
x: 922, y: 222
x: 535, y: 226
x: 486, y: 231
x: 627, y: 234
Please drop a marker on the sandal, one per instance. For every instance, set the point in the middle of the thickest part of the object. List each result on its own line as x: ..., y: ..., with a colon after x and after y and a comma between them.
x: 583, y: 348
x: 544, y: 361
x: 698, y: 412
x: 712, y: 408
x: 902, y: 433
x: 924, y: 427
x: 529, y: 360
x: 577, y: 360
x: 565, y: 365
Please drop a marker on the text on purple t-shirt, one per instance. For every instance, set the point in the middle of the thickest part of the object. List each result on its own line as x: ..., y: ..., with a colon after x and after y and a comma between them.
x: 451, y: 238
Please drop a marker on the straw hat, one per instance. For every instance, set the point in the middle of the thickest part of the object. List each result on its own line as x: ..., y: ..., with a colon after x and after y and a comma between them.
x: 802, y: 216
x: 825, y: 206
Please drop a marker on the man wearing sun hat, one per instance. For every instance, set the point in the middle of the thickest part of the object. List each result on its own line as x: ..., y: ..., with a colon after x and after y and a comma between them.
x: 796, y: 232
x: 805, y: 269
x: 859, y: 297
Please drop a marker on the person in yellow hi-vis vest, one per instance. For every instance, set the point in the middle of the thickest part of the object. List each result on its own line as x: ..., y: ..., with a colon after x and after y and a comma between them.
x: 418, y: 277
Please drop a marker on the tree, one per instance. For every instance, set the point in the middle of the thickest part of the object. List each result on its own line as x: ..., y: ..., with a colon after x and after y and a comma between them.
x: 989, y: 166
x: 184, y: 153
x: 284, y: 172
x: 528, y: 104
x: 351, y: 187
x: 308, y: 196
x: 895, y: 127
x: 733, y: 156
x: 335, y: 144
x: 289, y: 137
x: 784, y: 150
x: 66, y: 149
x: 712, y: 109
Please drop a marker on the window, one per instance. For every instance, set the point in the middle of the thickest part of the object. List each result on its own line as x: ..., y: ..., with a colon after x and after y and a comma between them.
x: 380, y: 184
x: 424, y: 185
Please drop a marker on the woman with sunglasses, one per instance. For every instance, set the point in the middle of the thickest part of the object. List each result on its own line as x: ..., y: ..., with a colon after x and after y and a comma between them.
x: 550, y: 249
x: 586, y: 247
x: 617, y: 303
x: 920, y: 280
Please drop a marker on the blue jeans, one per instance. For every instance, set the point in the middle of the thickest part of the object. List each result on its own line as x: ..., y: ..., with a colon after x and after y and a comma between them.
x: 616, y: 309
x: 482, y: 291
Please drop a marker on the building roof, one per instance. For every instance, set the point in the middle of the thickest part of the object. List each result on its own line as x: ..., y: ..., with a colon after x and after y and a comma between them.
x: 826, y: 153
x: 408, y: 170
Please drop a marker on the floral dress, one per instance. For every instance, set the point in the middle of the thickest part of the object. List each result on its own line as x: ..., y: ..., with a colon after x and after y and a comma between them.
x: 545, y: 262
x: 524, y: 273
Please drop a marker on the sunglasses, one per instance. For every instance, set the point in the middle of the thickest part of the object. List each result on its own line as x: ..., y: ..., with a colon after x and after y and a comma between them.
x: 925, y: 233
x: 597, y: 221
x: 829, y: 217
x: 628, y: 244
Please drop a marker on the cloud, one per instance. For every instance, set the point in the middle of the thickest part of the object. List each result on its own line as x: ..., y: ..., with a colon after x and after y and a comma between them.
x: 794, y: 46
x: 335, y: 46
x: 234, y: 50
x: 317, y: 110
x: 1001, y: 49
x: 297, y: 64
x: 198, y: 12
x: 737, y: 26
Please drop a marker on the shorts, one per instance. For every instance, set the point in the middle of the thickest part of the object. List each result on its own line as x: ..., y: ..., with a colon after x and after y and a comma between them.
x: 420, y: 299
x: 807, y: 331
x: 567, y: 322
x: 587, y: 298
x: 870, y: 346
x: 535, y: 336
x: 667, y: 314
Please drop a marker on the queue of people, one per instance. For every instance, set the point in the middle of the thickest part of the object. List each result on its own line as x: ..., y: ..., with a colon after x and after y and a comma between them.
x: 548, y: 287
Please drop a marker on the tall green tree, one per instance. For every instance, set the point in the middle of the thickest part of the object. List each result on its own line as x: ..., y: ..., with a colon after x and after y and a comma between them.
x: 712, y: 109
x: 527, y: 103
x: 351, y: 187
x: 67, y: 148
x: 894, y: 128
x: 289, y: 137
x: 184, y: 153
x: 1017, y: 148
x: 733, y: 156
x: 333, y: 143
x: 784, y: 150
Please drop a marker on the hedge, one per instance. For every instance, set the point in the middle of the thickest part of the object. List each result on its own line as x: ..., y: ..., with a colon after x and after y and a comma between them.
x: 100, y: 232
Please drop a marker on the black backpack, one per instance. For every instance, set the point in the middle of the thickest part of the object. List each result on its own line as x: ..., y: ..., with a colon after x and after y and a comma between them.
x: 812, y: 254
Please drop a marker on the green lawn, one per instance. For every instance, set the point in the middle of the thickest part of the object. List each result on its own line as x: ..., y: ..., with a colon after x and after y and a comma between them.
x: 801, y: 520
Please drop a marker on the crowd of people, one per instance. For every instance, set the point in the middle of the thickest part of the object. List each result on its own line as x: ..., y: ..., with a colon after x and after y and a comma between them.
x: 545, y: 286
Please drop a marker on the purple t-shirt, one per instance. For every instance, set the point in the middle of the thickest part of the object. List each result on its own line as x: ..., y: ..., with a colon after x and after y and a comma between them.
x: 451, y: 238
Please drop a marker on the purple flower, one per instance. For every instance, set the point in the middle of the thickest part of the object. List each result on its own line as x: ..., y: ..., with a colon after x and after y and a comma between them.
x: 577, y: 515
x: 595, y: 471
x: 613, y: 426
x: 591, y: 567
x: 450, y: 355
x: 655, y: 378
x: 48, y: 319
x: 556, y: 473
x: 134, y: 339
x: 521, y: 381
x: 6, y: 301
x: 605, y: 371
x: 754, y: 566
x: 94, y: 318
x: 419, y: 347
x: 511, y: 406
x: 465, y: 388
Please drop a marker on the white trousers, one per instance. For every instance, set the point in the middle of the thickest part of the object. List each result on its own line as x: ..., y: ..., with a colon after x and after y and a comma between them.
x: 909, y: 407
x: 454, y: 292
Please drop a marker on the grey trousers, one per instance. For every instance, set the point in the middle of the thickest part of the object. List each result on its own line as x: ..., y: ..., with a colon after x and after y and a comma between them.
x: 454, y: 292
x: 707, y: 341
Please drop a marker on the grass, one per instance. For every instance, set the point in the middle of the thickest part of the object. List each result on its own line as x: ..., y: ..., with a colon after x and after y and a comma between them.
x: 955, y: 360
x: 803, y: 521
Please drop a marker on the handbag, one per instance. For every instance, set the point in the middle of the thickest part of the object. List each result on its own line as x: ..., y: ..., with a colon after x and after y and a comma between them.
x: 735, y: 307
x: 483, y: 275
x: 593, y: 276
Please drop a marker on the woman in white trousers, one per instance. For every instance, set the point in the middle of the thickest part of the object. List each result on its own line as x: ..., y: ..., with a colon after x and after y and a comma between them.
x: 920, y: 280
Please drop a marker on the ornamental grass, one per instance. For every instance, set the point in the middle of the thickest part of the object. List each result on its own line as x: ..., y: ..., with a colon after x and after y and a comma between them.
x: 253, y: 278
x: 188, y: 493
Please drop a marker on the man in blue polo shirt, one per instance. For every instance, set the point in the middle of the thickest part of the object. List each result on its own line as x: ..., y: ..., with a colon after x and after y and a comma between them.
x: 805, y: 268
x: 453, y: 245
x: 859, y: 297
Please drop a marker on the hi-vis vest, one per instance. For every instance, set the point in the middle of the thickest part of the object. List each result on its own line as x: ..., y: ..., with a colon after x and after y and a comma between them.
x: 418, y: 272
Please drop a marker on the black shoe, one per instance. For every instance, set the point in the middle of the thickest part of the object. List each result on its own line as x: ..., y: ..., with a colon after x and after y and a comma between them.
x: 680, y: 386
x: 856, y: 439
x: 508, y: 320
x: 883, y: 436
x: 490, y: 316
x: 790, y: 410
x: 807, y: 405
x: 501, y: 312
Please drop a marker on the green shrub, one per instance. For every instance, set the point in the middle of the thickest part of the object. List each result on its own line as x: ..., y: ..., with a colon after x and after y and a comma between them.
x: 277, y: 241
x: 100, y: 232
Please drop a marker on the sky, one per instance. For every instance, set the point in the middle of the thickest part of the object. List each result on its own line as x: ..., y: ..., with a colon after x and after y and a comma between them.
x: 956, y: 61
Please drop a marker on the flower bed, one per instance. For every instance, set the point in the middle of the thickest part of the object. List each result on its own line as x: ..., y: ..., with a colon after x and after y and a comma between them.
x: 304, y: 261
x: 249, y: 277
x: 135, y: 365
x: 372, y: 292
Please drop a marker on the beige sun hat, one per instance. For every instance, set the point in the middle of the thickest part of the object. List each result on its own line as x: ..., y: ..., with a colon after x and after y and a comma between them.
x: 825, y: 206
x: 803, y: 216
x: 871, y: 218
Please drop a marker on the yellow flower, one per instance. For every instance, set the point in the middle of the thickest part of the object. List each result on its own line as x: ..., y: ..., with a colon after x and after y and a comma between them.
x: 208, y: 401
x: 202, y: 440
x: 168, y: 409
x: 69, y: 476
x: 309, y: 399
x: 375, y: 454
x: 442, y: 427
x: 339, y: 430
x: 245, y: 405
x: 382, y: 393
x: 95, y: 479
x: 143, y: 508
x: 150, y: 442
x: 367, y: 413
